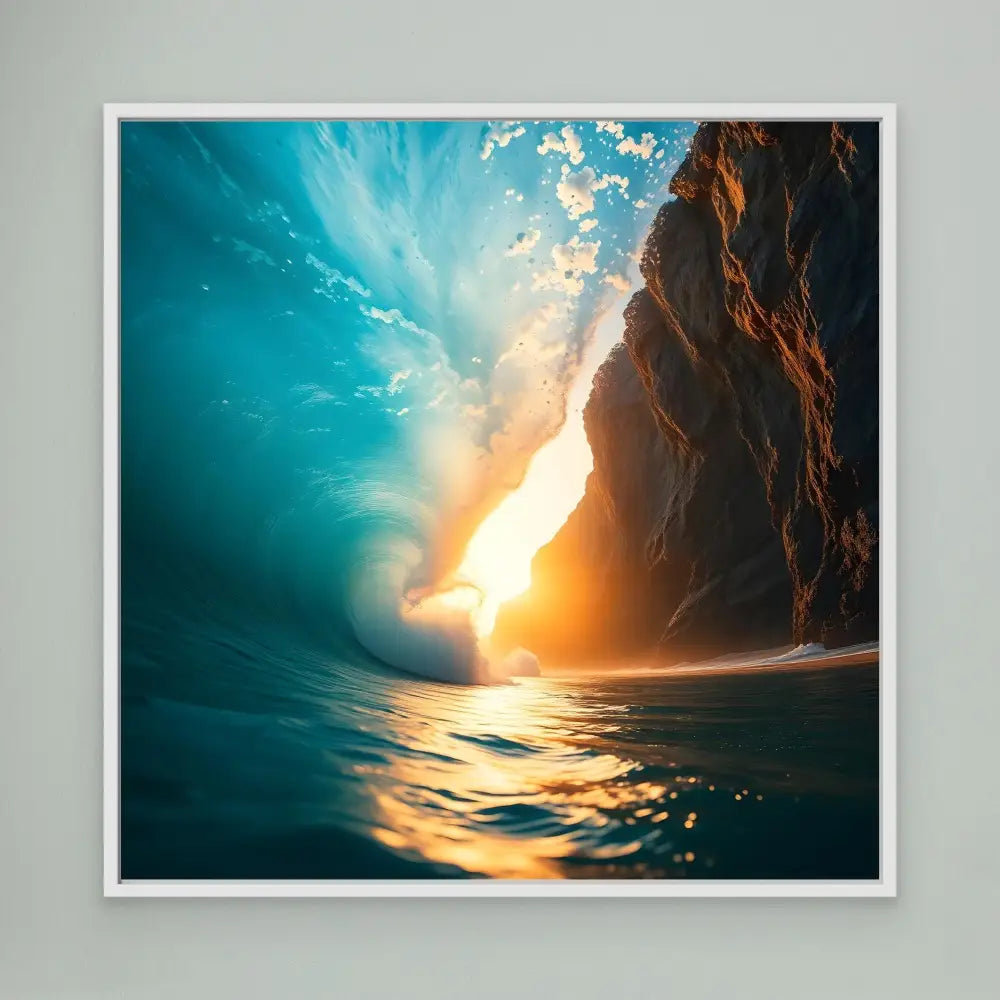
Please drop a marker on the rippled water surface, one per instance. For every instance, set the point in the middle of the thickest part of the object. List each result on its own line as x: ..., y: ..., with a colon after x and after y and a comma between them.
x: 239, y: 763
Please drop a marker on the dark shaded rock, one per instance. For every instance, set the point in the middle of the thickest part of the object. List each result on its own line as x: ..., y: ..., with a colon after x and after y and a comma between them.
x: 734, y: 498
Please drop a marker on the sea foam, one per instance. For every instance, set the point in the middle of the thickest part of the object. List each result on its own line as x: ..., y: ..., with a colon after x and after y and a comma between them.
x: 426, y: 639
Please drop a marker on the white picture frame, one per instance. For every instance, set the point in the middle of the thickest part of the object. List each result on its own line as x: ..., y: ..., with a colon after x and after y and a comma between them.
x: 886, y: 884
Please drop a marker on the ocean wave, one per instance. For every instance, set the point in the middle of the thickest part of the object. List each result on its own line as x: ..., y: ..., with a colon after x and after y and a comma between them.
x: 426, y: 638
x: 322, y: 396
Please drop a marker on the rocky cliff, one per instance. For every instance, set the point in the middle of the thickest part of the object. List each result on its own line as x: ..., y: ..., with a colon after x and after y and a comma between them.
x: 734, y: 498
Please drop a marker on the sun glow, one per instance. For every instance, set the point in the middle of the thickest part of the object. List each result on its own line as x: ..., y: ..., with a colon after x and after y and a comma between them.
x: 498, y: 558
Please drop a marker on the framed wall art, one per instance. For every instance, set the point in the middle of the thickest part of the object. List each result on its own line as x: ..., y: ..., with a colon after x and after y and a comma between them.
x: 500, y: 500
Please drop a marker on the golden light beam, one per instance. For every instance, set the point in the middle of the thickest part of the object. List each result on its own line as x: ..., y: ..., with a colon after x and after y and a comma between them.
x: 498, y: 558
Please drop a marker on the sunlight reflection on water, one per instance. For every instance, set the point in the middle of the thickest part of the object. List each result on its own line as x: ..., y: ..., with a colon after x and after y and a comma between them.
x: 557, y: 777
x: 503, y: 786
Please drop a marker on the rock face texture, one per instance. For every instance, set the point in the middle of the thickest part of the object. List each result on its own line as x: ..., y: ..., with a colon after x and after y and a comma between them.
x: 734, y: 498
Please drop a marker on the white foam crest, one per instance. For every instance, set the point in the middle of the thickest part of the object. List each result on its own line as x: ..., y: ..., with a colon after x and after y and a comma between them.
x: 425, y: 639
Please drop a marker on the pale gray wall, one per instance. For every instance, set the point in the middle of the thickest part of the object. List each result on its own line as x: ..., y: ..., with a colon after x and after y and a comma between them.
x: 60, y: 61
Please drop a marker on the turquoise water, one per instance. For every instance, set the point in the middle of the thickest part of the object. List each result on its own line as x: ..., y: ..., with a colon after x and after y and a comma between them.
x: 341, y: 343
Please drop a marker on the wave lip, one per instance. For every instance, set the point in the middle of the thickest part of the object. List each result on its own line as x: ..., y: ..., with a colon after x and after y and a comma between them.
x: 429, y: 640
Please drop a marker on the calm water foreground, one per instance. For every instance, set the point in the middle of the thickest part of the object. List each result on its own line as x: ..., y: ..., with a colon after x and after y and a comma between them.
x: 238, y: 763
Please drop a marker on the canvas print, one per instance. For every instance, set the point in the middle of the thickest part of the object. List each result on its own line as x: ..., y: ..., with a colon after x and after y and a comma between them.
x: 499, y: 500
